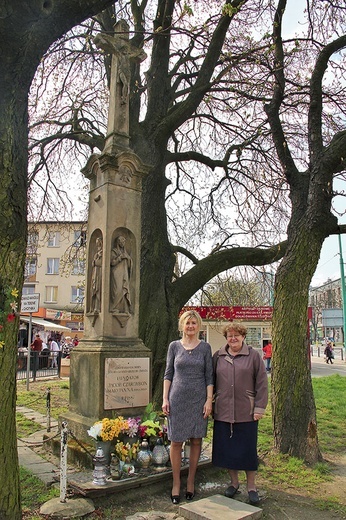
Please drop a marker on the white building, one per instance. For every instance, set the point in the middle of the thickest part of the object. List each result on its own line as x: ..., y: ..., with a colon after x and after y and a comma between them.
x: 55, y: 268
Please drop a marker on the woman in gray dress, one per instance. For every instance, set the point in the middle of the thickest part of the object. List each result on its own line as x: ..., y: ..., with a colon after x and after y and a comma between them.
x: 187, y: 398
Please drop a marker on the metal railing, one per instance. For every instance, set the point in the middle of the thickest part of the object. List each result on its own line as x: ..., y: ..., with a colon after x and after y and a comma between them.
x: 318, y: 351
x: 41, y: 365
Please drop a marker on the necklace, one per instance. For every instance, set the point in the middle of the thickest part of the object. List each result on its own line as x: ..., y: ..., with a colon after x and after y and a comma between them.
x: 190, y: 349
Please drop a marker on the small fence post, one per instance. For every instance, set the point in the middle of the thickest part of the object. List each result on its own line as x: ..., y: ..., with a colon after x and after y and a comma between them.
x: 48, y: 409
x: 63, y: 462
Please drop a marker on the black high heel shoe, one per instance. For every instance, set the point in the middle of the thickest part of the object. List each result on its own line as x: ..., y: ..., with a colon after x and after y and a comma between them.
x: 189, y: 495
x: 175, y: 499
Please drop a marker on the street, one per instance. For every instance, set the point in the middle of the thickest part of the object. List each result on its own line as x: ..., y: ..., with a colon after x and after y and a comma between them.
x: 319, y: 368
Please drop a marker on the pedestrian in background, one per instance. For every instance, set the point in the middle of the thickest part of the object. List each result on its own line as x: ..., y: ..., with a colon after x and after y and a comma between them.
x: 328, y: 352
x: 267, y: 354
x: 54, y: 352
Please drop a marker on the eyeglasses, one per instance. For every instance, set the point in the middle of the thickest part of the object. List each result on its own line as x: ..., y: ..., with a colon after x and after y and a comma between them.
x: 236, y: 336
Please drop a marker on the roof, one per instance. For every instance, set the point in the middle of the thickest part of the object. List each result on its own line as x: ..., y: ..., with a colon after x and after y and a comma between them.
x: 47, y: 325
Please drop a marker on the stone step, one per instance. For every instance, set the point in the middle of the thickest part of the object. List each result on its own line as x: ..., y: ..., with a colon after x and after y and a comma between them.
x: 218, y: 507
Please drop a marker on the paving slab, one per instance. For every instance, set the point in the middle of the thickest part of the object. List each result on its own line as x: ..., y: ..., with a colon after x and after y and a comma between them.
x: 44, y: 470
x: 36, y: 416
x: 219, y: 507
x: 154, y: 515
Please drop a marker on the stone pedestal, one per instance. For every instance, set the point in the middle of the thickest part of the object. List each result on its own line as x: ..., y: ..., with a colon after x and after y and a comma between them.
x: 107, y: 379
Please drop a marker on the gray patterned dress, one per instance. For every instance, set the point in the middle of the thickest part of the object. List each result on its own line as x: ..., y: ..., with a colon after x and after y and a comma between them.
x: 190, y: 372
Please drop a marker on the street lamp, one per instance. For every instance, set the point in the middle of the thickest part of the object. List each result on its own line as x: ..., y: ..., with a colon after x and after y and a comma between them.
x: 343, y: 290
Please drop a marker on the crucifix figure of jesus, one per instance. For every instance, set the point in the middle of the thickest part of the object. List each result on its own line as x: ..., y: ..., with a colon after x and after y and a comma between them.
x: 123, y: 53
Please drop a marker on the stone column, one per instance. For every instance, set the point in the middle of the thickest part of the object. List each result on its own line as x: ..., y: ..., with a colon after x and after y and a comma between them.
x: 110, y: 368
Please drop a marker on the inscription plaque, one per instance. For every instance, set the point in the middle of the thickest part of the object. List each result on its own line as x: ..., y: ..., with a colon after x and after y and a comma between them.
x: 126, y: 382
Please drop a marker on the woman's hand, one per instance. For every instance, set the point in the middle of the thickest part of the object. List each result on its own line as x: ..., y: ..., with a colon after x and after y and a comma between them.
x: 165, y: 406
x: 207, y: 408
x: 257, y: 416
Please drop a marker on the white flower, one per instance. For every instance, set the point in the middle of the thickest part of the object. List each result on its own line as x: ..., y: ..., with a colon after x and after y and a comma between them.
x: 95, y: 431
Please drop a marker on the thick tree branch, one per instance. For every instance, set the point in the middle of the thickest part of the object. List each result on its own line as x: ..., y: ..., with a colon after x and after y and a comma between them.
x: 181, y: 111
x: 40, y: 24
x: 195, y: 156
x: 315, y: 111
x: 216, y: 263
x: 185, y: 252
x: 334, y: 157
x: 272, y: 109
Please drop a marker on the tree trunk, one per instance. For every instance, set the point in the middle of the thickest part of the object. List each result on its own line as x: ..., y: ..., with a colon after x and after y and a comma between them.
x: 158, y: 307
x: 27, y: 29
x: 294, y: 413
x: 13, y: 188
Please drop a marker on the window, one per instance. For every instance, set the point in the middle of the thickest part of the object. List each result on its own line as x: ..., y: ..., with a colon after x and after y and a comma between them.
x: 75, y: 325
x: 28, y: 289
x: 77, y: 294
x: 30, y: 267
x: 79, y: 238
x: 51, y: 293
x: 52, y: 265
x: 33, y: 238
x: 53, y: 239
x: 78, y: 266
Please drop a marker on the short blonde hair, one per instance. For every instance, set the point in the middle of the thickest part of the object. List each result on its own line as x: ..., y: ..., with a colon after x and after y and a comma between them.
x: 187, y: 315
x: 237, y: 327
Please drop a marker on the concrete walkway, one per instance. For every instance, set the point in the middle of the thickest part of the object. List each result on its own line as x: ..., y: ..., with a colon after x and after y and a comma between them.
x: 28, y: 459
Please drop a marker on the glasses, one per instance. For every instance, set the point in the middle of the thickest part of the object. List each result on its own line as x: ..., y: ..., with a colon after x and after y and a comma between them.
x: 235, y: 336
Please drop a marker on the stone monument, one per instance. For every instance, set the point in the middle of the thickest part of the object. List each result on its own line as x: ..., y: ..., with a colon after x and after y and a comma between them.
x: 110, y: 368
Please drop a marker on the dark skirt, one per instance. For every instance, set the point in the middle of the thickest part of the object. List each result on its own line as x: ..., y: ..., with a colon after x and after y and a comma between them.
x: 235, y: 445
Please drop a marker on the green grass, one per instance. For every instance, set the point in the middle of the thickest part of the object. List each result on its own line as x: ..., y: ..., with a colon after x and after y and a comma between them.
x: 330, y: 396
x: 36, y: 396
x: 34, y: 492
x: 26, y: 427
x: 290, y: 472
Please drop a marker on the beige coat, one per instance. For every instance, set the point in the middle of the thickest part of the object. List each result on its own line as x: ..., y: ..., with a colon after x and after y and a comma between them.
x: 241, y: 385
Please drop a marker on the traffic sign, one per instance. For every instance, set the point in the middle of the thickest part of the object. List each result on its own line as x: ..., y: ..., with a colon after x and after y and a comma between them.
x: 30, y: 302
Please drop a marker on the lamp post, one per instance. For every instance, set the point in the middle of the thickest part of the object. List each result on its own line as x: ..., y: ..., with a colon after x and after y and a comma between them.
x: 343, y: 291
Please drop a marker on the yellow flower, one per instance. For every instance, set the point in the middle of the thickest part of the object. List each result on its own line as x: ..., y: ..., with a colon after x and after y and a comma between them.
x: 14, y: 293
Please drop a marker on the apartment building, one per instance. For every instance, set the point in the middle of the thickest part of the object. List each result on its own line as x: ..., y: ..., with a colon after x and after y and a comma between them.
x: 326, y: 297
x: 55, y: 269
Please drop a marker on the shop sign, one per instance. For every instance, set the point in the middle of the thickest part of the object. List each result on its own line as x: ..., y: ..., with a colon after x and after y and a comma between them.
x: 225, y: 313
x: 53, y: 314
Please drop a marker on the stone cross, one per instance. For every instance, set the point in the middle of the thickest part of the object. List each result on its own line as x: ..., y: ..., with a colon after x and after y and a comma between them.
x: 123, y: 53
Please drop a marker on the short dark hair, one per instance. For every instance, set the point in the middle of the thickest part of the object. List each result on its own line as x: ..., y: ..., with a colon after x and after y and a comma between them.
x: 237, y: 327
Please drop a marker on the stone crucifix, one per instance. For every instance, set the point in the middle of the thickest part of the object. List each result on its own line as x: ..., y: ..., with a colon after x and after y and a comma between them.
x: 123, y: 53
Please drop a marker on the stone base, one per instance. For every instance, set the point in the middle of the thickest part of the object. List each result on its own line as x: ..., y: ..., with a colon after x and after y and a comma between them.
x: 72, y: 508
x: 88, y: 379
x: 77, y: 455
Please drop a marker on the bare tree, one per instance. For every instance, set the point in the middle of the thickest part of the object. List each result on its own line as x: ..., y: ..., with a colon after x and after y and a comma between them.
x: 27, y: 30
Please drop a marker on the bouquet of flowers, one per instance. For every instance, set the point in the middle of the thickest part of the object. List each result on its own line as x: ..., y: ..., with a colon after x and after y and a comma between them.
x: 126, y: 451
x: 132, y: 425
x: 151, y: 429
x: 108, y: 429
